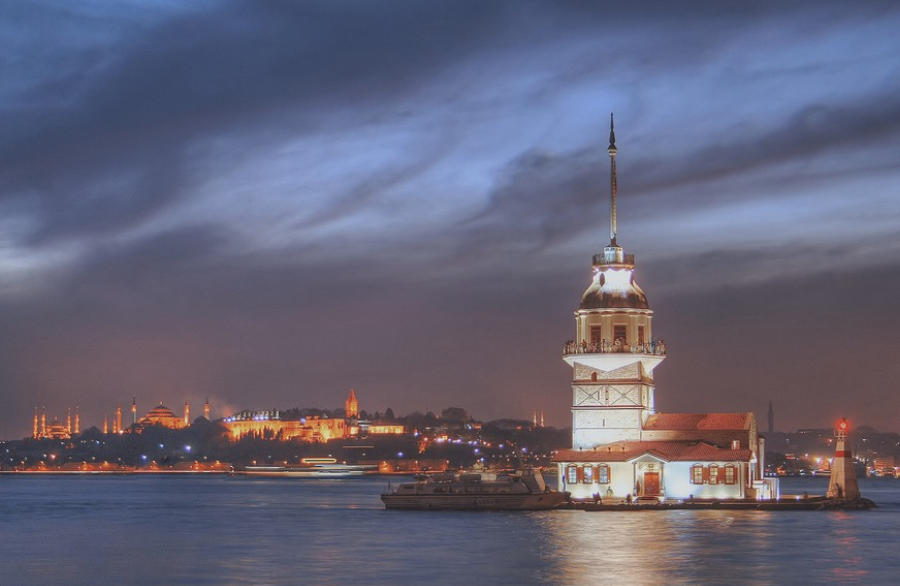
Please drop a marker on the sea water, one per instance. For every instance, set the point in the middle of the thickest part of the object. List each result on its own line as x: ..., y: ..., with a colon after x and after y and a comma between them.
x: 232, y: 530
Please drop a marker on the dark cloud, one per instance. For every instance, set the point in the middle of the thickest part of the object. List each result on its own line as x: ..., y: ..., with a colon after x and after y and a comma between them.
x: 154, y: 158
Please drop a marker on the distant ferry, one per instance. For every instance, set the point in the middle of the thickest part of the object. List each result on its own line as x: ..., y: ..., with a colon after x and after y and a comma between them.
x: 524, y: 490
x: 310, y: 468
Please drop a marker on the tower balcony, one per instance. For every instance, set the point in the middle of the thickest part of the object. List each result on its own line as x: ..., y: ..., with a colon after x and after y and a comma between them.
x: 655, y: 347
x: 613, y: 257
x: 608, y: 356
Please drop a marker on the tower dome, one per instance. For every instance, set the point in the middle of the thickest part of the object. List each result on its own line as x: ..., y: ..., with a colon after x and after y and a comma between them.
x: 613, y: 288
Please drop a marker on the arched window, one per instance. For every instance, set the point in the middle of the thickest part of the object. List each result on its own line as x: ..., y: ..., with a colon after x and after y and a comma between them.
x: 696, y: 474
x: 730, y: 474
x: 603, y: 474
x: 593, y: 377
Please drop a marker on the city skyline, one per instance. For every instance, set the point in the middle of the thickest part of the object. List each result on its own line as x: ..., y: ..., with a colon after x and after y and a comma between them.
x: 270, y: 204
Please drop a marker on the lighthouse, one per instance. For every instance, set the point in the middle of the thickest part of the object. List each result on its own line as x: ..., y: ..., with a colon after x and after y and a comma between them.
x: 843, y: 483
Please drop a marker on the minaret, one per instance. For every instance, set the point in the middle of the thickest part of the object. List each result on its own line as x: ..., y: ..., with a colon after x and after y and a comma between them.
x: 534, y: 418
x: 35, y: 433
x: 843, y: 483
x: 542, y: 418
x: 105, y: 424
x: 206, y: 410
x: 613, y: 354
x: 133, y: 410
x: 351, y: 407
x: 187, y: 414
x: 69, y: 420
x: 117, y: 426
x: 43, y: 421
x: 77, y: 421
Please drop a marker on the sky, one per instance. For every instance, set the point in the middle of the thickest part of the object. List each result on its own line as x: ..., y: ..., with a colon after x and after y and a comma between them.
x: 268, y: 203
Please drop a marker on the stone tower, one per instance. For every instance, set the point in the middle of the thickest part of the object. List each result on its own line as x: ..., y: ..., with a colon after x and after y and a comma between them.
x: 613, y: 354
x: 351, y: 406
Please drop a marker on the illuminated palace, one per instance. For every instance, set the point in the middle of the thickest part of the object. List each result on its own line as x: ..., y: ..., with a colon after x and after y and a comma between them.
x: 270, y: 425
x: 621, y: 446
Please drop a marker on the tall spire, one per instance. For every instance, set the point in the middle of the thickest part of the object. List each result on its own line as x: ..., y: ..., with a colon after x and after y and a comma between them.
x: 612, y: 182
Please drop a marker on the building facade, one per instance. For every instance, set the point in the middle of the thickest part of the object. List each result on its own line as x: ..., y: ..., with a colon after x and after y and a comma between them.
x: 621, y: 446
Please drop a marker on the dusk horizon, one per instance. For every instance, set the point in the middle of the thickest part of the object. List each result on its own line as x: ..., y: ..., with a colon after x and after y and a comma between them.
x: 268, y: 204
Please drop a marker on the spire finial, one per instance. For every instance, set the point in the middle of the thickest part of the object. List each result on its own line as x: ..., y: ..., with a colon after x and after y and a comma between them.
x: 612, y: 134
x: 613, y: 229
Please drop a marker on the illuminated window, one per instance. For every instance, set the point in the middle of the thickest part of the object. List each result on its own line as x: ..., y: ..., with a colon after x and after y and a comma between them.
x: 596, y: 334
x: 603, y: 474
x: 572, y: 474
x: 714, y: 474
x: 641, y: 335
x: 730, y: 476
x: 588, y: 474
x: 593, y: 376
x: 619, y: 332
x: 696, y: 474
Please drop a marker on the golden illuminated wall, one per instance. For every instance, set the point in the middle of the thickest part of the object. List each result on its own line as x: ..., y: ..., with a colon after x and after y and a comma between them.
x: 385, y: 429
x: 310, y: 429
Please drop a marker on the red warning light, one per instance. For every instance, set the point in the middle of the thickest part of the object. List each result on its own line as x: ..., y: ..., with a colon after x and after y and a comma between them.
x: 842, y: 425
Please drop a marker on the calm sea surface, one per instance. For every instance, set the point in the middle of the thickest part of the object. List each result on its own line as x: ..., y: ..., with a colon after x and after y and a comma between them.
x: 172, y: 530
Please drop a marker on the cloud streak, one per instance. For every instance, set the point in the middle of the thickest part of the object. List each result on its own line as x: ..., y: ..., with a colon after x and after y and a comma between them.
x: 270, y: 202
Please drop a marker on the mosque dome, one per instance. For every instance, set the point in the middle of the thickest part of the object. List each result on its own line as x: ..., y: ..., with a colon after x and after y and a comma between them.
x: 614, y: 289
x: 162, y: 415
x: 160, y: 411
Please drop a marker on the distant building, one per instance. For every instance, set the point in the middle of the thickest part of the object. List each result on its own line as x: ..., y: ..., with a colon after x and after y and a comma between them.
x: 272, y: 425
x: 162, y: 415
x: 621, y: 445
x: 56, y: 429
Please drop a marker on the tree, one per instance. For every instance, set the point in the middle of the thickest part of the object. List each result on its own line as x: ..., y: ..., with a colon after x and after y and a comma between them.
x: 455, y: 414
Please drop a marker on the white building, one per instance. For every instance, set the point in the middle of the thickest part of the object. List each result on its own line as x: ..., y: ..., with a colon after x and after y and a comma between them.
x: 620, y: 445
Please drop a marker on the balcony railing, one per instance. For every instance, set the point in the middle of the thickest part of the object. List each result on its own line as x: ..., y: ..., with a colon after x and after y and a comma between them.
x: 656, y: 347
x: 613, y: 259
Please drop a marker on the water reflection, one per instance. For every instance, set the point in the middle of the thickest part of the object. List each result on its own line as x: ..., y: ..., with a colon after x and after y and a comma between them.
x: 194, y: 531
x: 709, y: 547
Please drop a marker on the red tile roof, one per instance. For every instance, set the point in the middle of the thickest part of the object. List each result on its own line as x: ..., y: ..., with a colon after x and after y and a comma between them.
x: 669, y: 451
x: 698, y: 421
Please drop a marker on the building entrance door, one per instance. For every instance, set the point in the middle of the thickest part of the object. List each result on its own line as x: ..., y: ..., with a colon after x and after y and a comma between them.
x: 651, y: 483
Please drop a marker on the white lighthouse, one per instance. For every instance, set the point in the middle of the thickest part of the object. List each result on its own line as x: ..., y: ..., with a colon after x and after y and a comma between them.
x: 843, y: 484
x: 613, y: 355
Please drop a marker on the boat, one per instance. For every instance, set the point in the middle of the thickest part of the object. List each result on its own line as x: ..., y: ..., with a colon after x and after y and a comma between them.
x: 310, y: 468
x: 523, y: 490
